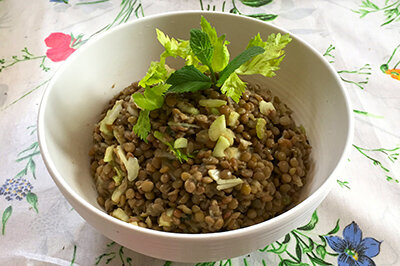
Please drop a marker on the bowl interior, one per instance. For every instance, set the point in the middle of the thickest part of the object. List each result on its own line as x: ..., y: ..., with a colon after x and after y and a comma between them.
x: 99, y: 70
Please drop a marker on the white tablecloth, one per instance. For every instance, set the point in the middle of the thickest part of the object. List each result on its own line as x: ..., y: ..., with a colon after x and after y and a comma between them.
x: 361, y: 213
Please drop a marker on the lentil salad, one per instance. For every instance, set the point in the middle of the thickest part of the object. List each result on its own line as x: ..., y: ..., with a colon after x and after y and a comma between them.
x: 199, y: 160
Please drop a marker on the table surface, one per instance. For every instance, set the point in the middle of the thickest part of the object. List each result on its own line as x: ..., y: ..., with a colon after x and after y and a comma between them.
x: 357, y: 224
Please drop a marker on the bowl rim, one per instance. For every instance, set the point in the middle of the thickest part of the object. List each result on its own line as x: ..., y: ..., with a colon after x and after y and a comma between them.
x: 282, y: 218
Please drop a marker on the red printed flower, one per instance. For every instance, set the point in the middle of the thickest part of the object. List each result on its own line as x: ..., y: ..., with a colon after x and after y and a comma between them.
x: 61, y: 46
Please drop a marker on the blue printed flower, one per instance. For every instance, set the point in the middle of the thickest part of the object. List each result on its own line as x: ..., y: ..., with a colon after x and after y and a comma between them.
x: 352, y: 249
x: 15, y: 189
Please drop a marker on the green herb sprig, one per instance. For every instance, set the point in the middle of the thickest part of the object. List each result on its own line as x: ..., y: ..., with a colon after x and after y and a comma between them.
x: 207, y: 65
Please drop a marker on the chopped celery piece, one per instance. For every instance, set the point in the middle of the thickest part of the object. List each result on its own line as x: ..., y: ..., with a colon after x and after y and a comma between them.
x: 110, y: 117
x: 220, y: 147
x: 260, y: 128
x: 217, y: 128
x: 266, y: 107
x: 180, y: 143
x: 233, y: 118
x: 120, y: 214
x: 108, y: 155
x: 212, y: 102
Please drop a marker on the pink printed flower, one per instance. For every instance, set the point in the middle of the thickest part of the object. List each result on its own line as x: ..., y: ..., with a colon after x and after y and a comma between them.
x: 61, y: 46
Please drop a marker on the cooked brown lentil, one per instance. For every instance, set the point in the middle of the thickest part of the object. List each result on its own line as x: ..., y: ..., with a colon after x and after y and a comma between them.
x: 175, y: 197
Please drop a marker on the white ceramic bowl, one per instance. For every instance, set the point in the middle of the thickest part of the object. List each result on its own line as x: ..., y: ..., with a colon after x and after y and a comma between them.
x: 81, y: 88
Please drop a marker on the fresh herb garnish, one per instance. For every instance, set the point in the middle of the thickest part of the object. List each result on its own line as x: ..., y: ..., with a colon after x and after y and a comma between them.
x: 188, y: 79
x: 206, y: 58
x: 142, y: 127
x: 152, y: 98
x: 177, y: 152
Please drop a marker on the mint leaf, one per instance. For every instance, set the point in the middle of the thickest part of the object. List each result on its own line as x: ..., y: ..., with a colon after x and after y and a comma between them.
x: 233, y: 87
x: 201, y: 46
x: 220, y: 56
x: 239, y: 60
x: 152, y: 98
x: 142, y: 126
x: 188, y: 79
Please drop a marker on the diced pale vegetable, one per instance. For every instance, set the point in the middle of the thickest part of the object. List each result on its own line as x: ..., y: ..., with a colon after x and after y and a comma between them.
x: 214, y: 111
x: 131, y: 164
x: 110, y: 117
x: 108, y: 155
x: 220, y: 147
x: 217, y: 128
x: 119, y: 191
x: 245, y: 143
x: 118, y: 136
x: 228, y: 183
x: 214, y: 174
x: 212, y: 102
x: 165, y: 218
x: 120, y: 154
x: 120, y: 214
x: 232, y: 152
x: 132, y: 111
x: 117, y: 180
x: 180, y: 143
x: 260, y: 128
x: 266, y: 107
x: 229, y: 135
x: 120, y: 174
x: 172, y: 123
x: 233, y: 118
x: 132, y: 167
x: 134, y: 223
x: 188, y: 108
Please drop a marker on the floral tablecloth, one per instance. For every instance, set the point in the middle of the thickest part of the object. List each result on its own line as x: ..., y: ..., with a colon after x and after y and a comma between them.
x: 358, y: 223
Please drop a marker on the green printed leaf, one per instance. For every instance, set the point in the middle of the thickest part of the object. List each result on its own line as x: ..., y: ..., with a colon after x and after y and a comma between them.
x: 287, y: 239
x: 6, y: 215
x: 201, y: 46
x: 167, y: 263
x: 255, y: 3
x: 287, y: 262
x: 319, y: 261
x: 282, y: 248
x: 311, y: 224
x: 32, y: 167
x: 73, y: 256
x: 143, y: 125
x: 263, y: 16
x: 310, y: 246
x: 298, y: 251
x: 32, y: 199
x: 336, y: 229
x: 22, y: 173
x: 239, y: 60
x: 32, y: 147
x: 188, y: 79
x: 321, y: 251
